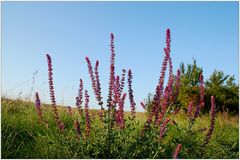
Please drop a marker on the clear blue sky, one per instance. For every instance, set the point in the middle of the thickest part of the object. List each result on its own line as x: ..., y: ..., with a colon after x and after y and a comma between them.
x: 69, y: 31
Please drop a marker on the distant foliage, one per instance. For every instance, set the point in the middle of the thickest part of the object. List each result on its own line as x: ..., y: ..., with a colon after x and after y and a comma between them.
x: 219, y: 85
x: 190, y: 82
x: 225, y: 91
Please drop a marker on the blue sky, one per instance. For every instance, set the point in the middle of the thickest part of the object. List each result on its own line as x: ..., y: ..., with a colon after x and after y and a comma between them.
x: 69, y: 31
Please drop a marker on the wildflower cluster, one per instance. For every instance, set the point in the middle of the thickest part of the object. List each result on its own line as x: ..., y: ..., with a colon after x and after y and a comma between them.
x: 159, y: 119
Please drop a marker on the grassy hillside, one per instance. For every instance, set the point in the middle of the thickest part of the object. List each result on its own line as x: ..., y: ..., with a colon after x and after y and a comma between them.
x: 24, y: 137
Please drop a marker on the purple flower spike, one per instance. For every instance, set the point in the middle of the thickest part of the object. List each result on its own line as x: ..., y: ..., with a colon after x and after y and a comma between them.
x: 38, y: 108
x: 86, y: 110
x: 130, y: 94
x: 143, y: 105
x: 98, y: 85
x: 121, y: 111
x: 212, y: 123
x: 163, y: 128
x: 122, y: 81
x: 116, y: 90
x: 112, y: 73
x: 175, y: 154
x: 190, y: 107
x: 79, y: 98
x: 52, y: 94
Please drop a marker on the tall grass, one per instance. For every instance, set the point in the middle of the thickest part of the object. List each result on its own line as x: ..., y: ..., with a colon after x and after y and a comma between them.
x: 24, y: 137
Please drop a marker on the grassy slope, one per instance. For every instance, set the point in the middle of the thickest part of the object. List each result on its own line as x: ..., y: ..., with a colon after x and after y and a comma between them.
x: 23, y: 137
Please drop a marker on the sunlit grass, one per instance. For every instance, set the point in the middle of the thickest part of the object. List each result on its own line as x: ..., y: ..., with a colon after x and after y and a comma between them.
x: 23, y: 137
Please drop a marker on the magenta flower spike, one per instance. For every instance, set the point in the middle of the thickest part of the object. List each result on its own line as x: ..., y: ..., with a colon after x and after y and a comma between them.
x: 112, y: 49
x: 164, y: 105
x: 38, y: 108
x: 163, y: 128
x: 159, y: 88
x: 117, y: 117
x: 98, y: 85
x: 92, y: 77
x: 143, y: 105
x: 162, y: 113
x: 177, y: 151
x: 118, y: 84
x: 112, y: 73
x: 86, y: 110
x: 116, y: 90
x: 121, y: 111
x: 148, y: 123
x: 122, y: 81
x: 212, y: 121
x: 190, y: 108
x: 156, y: 103
x: 79, y: 98
x: 176, y: 111
x: 52, y: 94
x: 130, y: 94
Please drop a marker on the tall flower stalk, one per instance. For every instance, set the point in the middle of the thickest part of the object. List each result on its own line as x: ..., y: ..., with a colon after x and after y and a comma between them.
x: 177, y: 151
x: 212, y: 121
x: 120, y: 112
x: 98, y: 85
x: 164, y: 104
x: 130, y: 94
x: 122, y: 81
x: 38, y: 108
x: 112, y: 76
x: 52, y: 94
x: 143, y: 105
x: 110, y: 104
x: 86, y: 110
x: 92, y: 77
x: 190, y: 108
x: 163, y: 128
x: 116, y: 90
x: 79, y: 98
x: 159, y: 89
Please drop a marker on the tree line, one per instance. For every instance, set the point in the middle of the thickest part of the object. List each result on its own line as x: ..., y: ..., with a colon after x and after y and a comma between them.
x: 223, y: 87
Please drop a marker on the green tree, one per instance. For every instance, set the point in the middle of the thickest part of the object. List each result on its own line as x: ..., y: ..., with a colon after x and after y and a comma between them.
x: 189, y: 89
x: 225, y: 91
